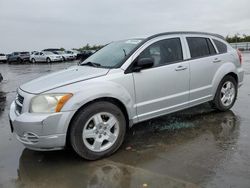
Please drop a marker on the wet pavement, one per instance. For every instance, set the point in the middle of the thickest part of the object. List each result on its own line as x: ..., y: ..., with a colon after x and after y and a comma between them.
x: 197, y: 147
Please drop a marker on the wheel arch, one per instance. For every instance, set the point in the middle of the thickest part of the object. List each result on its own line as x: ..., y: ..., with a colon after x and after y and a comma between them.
x: 112, y: 100
x: 225, y: 70
x: 234, y: 75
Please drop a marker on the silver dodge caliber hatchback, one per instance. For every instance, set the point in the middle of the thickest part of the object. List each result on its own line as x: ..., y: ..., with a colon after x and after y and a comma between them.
x: 90, y: 106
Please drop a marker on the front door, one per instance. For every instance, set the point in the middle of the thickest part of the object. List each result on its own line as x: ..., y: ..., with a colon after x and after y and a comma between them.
x: 164, y: 87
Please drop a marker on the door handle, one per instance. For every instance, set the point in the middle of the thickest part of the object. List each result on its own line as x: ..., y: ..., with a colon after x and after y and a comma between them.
x: 180, y: 68
x: 216, y: 60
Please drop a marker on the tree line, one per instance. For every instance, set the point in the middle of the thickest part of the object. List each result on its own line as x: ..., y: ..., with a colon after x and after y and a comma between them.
x: 238, y: 38
x: 89, y: 47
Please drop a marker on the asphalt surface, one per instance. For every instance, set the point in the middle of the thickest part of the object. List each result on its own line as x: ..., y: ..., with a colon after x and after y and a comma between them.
x: 197, y: 147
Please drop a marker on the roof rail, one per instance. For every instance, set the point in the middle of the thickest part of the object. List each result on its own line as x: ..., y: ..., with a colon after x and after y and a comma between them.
x: 185, y: 32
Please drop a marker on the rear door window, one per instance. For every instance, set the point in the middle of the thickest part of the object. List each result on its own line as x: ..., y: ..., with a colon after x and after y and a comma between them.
x: 222, y: 48
x: 200, y: 47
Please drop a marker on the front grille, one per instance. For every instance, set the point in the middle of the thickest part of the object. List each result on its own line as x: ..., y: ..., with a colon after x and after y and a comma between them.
x: 29, y: 138
x: 20, y: 98
x: 18, y: 108
x: 19, y: 103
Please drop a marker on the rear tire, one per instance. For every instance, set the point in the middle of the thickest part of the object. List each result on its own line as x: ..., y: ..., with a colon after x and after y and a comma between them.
x: 33, y: 60
x: 19, y: 60
x: 98, y: 130
x: 226, y: 94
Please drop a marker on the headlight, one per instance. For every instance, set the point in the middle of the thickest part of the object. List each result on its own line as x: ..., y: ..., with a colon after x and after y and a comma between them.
x: 49, y: 103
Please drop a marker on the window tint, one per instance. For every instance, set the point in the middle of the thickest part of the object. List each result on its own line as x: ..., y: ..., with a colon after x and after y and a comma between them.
x: 37, y: 53
x: 211, y: 47
x: 198, y: 46
x: 164, y: 52
x: 222, y: 48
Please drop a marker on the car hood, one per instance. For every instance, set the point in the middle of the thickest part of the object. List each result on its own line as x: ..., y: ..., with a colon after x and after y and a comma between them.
x: 62, y: 78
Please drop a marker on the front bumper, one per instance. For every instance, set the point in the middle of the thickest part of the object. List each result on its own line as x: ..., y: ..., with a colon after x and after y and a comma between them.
x: 40, y: 131
x: 70, y: 58
x: 25, y: 58
x: 56, y: 59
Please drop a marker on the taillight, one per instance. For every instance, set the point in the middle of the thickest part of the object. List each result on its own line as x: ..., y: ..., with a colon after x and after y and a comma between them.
x: 240, y: 56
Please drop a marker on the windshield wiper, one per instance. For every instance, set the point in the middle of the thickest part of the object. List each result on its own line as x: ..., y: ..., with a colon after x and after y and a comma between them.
x: 89, y: 63
x: 125, y: 53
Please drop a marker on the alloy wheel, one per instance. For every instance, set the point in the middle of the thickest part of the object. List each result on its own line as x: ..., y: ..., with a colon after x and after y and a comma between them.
x: 100, y: 132
x: 227, y: 93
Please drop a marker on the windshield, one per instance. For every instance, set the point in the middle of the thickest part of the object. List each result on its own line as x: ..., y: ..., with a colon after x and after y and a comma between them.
x: 48, y: 53
x: 113, y: 54
x: 24, y: 53
x: 58, y: 52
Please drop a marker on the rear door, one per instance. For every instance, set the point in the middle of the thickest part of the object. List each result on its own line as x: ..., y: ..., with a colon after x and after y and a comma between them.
x: 222, y: 50
x: 204, y: 63
x: 14, y: 56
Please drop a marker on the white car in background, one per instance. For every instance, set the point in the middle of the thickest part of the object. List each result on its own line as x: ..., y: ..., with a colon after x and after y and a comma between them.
x: 45, y: 56
x: 72, y: 52
x: 3, y: 58
x: 65, y: 56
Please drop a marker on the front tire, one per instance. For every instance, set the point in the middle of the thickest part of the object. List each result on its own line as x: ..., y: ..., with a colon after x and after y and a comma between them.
x: 98, y: 130
x: 48, y: 60
x: 226, y: 94
x: 19, y: 60
x: 33, y: 60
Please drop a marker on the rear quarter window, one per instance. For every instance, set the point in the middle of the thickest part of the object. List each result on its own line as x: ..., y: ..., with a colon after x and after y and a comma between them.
x: 222, y: 47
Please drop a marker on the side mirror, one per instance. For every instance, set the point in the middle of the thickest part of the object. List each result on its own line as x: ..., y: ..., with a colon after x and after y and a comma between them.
x: 143, y: 63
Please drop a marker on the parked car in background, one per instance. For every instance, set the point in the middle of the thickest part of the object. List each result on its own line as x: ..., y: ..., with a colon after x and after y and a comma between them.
x: 3, y: 58
x: 33, y: 52
x: 19, y: 57
x: 45, y: 56
x: 52, y: 49
x: 1, y: 77
x: 72, y: 52
x: 65, y: 56
x: 90, y: 106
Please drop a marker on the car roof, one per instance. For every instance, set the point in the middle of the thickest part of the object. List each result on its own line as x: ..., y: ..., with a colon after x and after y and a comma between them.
x: 185, y: 32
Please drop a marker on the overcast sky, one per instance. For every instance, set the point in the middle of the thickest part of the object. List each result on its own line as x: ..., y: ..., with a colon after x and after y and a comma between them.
x: 39, y: 24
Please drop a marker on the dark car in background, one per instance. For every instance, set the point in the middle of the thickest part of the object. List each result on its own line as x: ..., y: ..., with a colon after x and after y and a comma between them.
x: 19, y: 57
